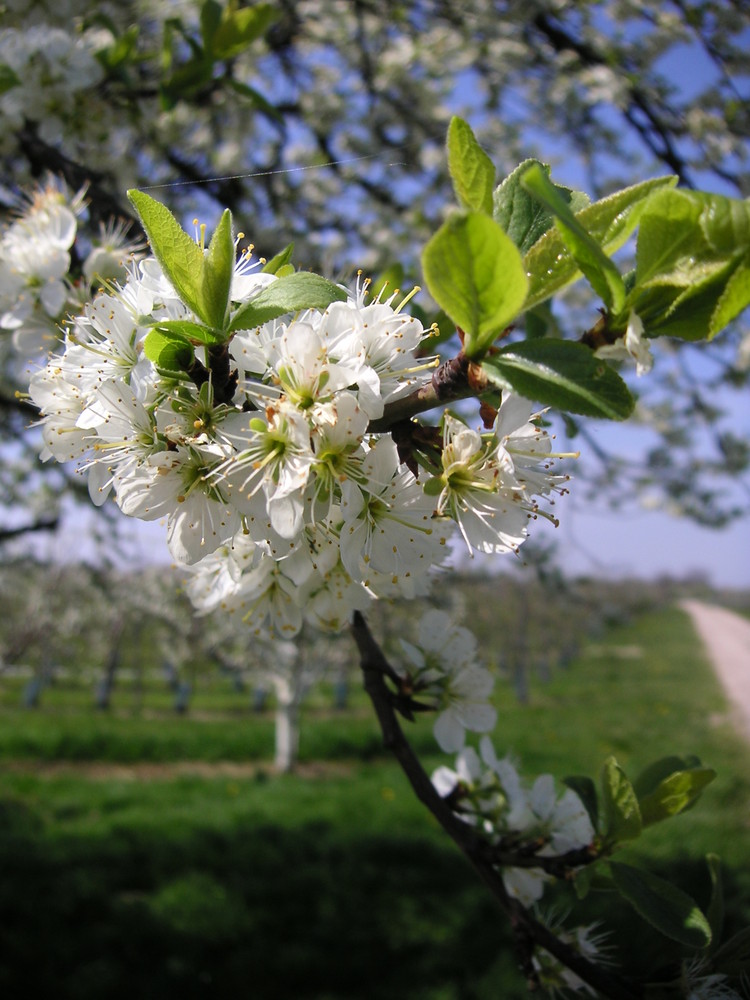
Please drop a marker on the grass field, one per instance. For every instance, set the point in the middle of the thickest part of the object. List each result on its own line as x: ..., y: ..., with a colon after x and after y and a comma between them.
x: 333, y: 883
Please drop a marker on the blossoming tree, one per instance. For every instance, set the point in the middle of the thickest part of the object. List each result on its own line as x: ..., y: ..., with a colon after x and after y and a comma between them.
x: 310, y: 455
x: 322, y: 121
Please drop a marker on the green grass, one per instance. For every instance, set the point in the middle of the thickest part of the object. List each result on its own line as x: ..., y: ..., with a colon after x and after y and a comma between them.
x: 332, y: 886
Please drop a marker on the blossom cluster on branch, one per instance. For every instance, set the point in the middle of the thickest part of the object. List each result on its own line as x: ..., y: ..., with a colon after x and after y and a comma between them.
x: 275, y: 494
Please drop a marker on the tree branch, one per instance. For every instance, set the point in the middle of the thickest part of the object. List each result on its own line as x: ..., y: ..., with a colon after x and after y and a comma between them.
x: 528, y: 932
x: 43, y: 524
x: 42, y: 157
x: 455, y: 379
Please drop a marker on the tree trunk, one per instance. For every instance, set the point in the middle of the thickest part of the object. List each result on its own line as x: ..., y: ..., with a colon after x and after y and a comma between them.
x: 287, y: 735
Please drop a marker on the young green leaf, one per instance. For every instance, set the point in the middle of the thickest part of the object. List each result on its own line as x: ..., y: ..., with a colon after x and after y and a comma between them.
x: 692, y: 264
x: 475, y: 273
x: 210, y: 18
x: 281, y: 259
x: 725, y: 222
x: 168, y: 351
x: 302, y: 290
x: 179, y: 255
x: 674, y: 794
x: 667, y: 908
x: 562, y: 374
x: 734, y: 299
x: 524, y: 218
x: 669, y: 229
x: 609, y: 221
x: 601, y: 273
x: 651, y: 776
x: 191, y: 332
x: 621, y: 813
x: 238, y: 28
x: 470, y: 168
x: 218, y: 268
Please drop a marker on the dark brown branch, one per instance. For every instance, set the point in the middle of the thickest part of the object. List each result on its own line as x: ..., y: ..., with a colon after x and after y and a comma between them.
x: 43, y: 524
x: 42, y: 157
x: 527, y: 931
x: 455, y: 379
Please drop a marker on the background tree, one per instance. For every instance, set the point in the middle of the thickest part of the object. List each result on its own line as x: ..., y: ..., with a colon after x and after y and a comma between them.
x: 322, y: 122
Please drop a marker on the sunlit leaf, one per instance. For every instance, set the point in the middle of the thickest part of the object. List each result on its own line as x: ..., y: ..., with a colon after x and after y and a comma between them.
x: 475, y: 273
x: 524, y: 218
x: 471, y: 170
x: 587, y: 252
x: 180, y: 256
x: 302, y: 290
x: 621, y: 813
x: 609, y: 221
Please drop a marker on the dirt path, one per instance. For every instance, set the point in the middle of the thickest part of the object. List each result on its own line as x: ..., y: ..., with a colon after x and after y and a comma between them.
x: 141, y: 771
x: 726, y: 637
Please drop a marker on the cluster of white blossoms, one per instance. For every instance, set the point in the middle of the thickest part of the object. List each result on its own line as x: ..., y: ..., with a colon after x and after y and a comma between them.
x: 489, y: 794
x: 36, y: 284
x: 441, y: 672
x: 50, y: 74
x: 276, y: 496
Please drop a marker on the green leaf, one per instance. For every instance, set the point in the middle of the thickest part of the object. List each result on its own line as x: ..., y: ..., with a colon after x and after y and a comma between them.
x: 179, y: 255
x: 522, y: 217
x: 218, y: 267
x: 168, y: 351
x: 470, y: 168
x: 475, y: 273
x: 725, y: 222
x: 239, y: 28
x: 585, y: 789
x: 210, y: 19
x: 674, y: 794
x: 692, y: 264
x: 715, y: 912
x: 187, y: 79
x: 8, y: 79
x: 190, y: 332
x: 667, y: 231
x: 622, y: 816
x: 687, y: 312
x: 601, y: 273
x: 121, y: 51
x: 562, y: 374
x: 609, y: 222
x: 651, y: 777
x: 541, y: 322
x: 733, y: 300
x: 302, y: 290
x: 282, y: 258
x: 663, y: 905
